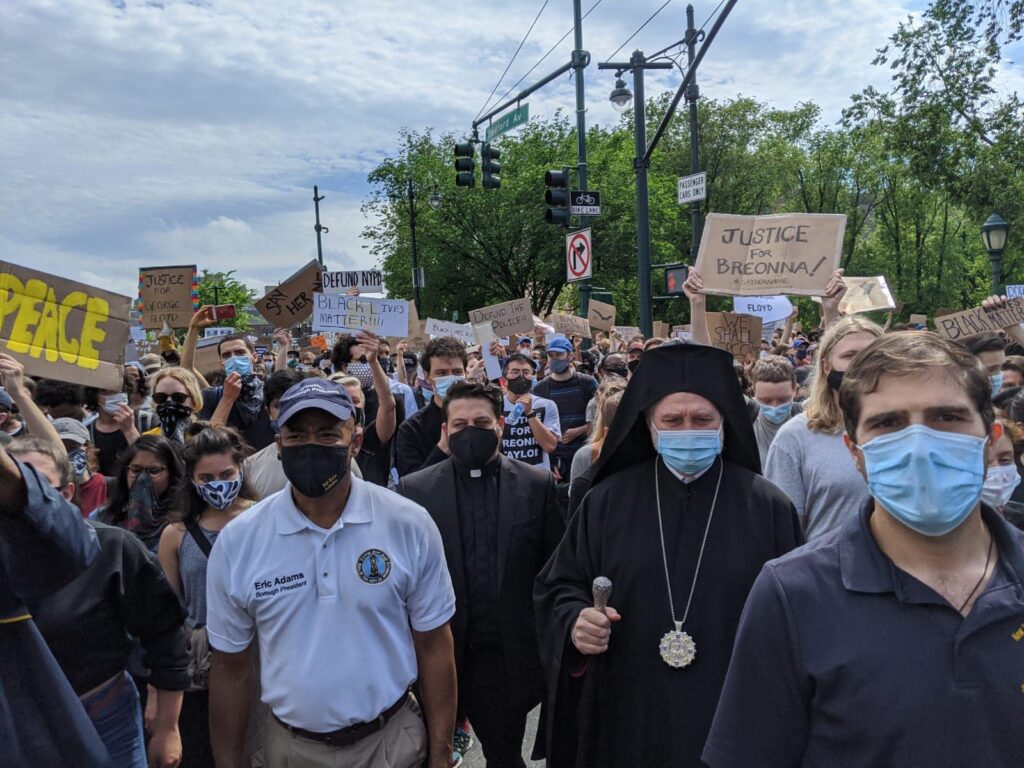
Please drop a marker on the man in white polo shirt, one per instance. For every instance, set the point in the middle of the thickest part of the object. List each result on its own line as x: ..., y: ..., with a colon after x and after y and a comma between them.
x: 345, y: 585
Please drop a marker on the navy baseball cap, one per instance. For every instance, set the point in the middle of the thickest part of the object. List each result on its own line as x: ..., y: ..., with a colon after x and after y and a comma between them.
x: 527, y: 339
x: 323, y: 394
x: 560, y: 345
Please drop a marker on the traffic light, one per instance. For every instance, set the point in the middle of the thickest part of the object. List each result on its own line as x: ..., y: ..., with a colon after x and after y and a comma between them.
x: 465, y: 172
x: 557, y: 197
x: 489, y: 166
x: 675, y: 277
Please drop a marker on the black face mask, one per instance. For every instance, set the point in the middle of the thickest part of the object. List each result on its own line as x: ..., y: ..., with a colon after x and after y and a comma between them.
x: 616, y: 371
x: 315, y: 470
x: 632, y: 365
x: 835, y: 380
x: 174, y: 419
x: 519, y: 386
x: 473, y: 446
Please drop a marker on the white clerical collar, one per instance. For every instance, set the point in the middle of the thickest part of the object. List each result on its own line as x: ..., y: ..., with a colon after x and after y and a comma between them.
x: 687, y: 479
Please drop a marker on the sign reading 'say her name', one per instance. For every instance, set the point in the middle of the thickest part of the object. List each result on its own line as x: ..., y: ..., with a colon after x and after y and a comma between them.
x: 338, y: 313
x: 790, y: 254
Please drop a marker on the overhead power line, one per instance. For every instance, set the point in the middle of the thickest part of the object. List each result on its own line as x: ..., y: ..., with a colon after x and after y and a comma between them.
x: 639, y: 30
x: 512, y: 60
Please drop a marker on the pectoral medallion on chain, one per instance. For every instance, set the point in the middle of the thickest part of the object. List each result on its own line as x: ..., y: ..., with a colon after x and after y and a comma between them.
x: 677, y: 647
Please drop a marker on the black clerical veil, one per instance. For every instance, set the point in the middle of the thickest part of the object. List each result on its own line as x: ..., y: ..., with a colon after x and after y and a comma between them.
x: 664, y: 370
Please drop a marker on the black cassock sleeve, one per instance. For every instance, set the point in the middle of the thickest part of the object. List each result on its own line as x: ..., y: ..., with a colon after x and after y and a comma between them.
x: 561, y: 591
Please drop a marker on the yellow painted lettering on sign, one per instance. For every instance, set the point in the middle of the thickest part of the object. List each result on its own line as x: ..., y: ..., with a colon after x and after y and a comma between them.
x: 69, y: 347
x: 97, y: 311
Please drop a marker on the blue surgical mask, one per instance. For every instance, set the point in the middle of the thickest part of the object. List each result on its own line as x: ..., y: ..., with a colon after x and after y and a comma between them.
x: 443, y: 383
x: 112, y: 403
x: 242, y: 365
x: 219, y: 494
x: 997, y: 382
x: 928, y: 480
x: 689, y: 451
x: 777, y: 414
x: 79, y: 461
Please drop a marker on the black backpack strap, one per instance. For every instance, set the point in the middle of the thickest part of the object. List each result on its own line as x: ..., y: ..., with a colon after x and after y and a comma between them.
x: 200, y: 539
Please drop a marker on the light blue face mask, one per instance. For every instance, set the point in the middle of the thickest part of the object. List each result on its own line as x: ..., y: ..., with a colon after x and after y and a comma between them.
x: 689, y: 451
x: 928, y: 480
x: 777, y: 414
x: 997, y: 382
x: 242, y: 365
x: 443, y: 383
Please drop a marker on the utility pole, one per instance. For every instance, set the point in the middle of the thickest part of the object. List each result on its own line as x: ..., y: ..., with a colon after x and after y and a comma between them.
x: 412, y: 232
x: 317, y: 197
x: 580, y: 59
x: 692, y: 94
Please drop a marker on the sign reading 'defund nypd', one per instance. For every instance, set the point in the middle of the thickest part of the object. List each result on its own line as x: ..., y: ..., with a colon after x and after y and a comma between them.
x: 366, y: 280
x: 585, y: 203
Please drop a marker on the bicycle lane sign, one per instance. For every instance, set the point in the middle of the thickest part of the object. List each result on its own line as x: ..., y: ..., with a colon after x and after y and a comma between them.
x: 578, y: 256
x: 585, y: 203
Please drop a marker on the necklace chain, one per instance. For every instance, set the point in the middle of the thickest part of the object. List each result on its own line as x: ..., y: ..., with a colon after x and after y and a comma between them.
x: 988, y: 558
x: 700, y: 557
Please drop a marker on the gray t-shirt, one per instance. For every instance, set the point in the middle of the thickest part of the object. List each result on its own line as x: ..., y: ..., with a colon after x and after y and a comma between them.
x: 765, y: 431
x: 818, y: 474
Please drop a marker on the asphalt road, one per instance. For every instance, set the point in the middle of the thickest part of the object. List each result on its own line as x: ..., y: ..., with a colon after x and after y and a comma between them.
x: 475, y: 758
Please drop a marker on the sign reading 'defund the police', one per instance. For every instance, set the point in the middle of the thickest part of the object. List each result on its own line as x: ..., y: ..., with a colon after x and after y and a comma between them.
x: 585, y: 203
x: 791, y: 254
x: 335, y: 312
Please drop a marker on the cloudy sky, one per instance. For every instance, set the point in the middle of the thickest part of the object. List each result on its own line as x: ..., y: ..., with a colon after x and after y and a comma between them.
x: 177, y: 132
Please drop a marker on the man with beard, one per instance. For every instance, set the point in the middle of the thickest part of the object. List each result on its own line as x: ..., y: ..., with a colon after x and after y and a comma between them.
x: 242, y: 392
x: 345, y: 586
x: 680, y: 520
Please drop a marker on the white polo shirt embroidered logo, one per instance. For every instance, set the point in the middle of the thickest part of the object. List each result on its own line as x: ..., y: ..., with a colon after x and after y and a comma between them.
x: 373, y: 566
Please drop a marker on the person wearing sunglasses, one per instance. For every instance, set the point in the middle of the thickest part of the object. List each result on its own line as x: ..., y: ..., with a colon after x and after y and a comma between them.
x: 177, y: 397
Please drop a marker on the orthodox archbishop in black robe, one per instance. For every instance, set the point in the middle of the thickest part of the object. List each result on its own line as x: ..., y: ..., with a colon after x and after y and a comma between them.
x: 627, y: 706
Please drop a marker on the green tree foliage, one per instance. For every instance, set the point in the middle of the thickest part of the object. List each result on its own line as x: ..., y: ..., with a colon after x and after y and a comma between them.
x: 916, y: 170
x: 224, y: 288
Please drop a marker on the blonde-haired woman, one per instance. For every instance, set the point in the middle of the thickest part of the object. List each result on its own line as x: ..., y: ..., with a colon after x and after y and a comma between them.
x: 808, y: 459
x: 178, y: 398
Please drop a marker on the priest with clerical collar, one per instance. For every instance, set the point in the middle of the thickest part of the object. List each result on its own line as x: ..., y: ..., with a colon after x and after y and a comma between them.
x: 680, y: 520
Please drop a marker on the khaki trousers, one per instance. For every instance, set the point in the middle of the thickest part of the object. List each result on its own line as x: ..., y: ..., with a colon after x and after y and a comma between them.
x: 402, y: 743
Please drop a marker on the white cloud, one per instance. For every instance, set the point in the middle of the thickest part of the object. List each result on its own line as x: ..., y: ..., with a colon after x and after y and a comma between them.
x: 134, y: 132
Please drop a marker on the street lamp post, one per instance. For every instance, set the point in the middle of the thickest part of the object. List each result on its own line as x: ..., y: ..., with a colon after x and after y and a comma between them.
x: 620, y: 100
x: 994, y: 233
x: 317, y: 197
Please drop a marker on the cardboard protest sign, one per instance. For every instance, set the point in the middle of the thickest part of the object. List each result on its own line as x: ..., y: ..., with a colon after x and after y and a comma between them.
x: 570, y: 324
x: 463, y: 333
x: 660, y: 330
x: 335, y: 312
x: 627, y: 332
x: 366, y: 280
x: 207, y: 360
x: 919, y: 320
x: 601, y: 315
x: 866, y: 294
x: 963, y: 324
x: 167, y: 295
x: 60, y: 329
x: 507, y: 319
x: 682, y: 332
x: 318, y: 343
x: 791, y: 254
x: 737, y: 334
x: 770, y: 309
x: 291, y: 302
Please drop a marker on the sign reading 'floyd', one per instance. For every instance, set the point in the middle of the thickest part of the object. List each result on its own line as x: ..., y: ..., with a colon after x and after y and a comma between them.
x: 166, y: 296
x: 791, y: 254
x: 63, y: 330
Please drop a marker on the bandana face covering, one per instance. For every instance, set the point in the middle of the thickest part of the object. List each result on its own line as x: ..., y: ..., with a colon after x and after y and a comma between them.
x: 79, y: 461
x: 174, y: 420
x: 144, y: 514
x: 250, y: 401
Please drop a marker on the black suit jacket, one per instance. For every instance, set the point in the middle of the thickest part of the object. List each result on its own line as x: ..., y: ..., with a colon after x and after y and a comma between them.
x: 530, y: 525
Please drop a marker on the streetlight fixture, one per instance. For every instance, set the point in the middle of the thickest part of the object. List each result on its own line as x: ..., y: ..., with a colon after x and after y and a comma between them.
x: 621, y: 96
x: 435, y: 199
x: 994, y: 233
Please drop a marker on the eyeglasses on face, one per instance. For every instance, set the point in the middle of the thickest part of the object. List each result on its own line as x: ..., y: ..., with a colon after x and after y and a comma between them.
x: 518, y: 374
x: 135, y: 470
x: 162, y: 397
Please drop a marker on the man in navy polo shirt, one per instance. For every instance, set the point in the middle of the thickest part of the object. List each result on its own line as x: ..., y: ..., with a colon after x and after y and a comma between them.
x: 899, y: 640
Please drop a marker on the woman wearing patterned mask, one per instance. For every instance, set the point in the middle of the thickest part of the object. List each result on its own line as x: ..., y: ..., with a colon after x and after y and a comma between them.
x: 214, y: 494
x: 177, y: 397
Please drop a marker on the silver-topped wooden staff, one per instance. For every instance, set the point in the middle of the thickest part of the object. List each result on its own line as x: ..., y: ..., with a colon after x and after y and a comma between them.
x: 602, y: 591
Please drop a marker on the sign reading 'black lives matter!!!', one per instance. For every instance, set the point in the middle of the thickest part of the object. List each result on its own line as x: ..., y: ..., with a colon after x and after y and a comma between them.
x: 791, y: 254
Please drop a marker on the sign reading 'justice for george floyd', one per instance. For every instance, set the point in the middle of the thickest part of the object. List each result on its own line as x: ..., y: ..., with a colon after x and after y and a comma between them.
x: 63, y: 330
x: 790, y: 254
